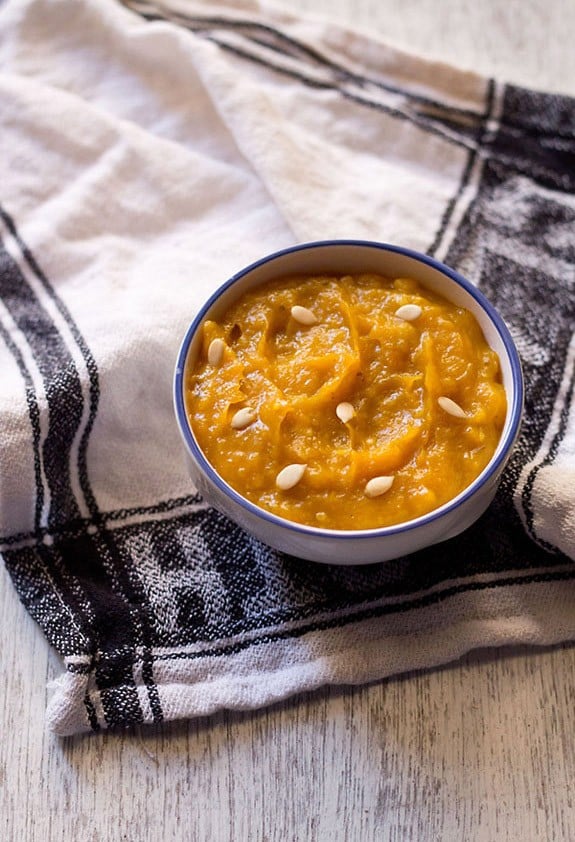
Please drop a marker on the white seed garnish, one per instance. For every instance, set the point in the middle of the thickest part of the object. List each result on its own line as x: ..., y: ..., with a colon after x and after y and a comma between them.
x: 303, y: 315
x: 451, y: 407
x: 344, y: 412
x: 408, y: 312
x: 243, y: 418
x: 216, y: 351
x: 290, y: 476
x: 377, y: 486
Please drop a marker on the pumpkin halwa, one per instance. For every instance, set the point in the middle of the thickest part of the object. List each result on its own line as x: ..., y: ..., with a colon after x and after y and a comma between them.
x: 346, y: 402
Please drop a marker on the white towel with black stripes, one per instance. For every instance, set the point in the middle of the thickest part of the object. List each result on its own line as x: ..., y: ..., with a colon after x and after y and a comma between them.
x: 149, y: 151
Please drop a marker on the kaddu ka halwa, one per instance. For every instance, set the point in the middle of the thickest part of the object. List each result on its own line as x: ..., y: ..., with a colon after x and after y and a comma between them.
x: 346, y: 402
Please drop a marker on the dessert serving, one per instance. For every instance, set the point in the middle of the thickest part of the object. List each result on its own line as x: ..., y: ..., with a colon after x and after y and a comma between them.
x: 346, y: 402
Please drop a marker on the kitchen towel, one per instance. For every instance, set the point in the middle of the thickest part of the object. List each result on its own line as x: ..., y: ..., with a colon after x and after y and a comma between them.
x: 148, y: 152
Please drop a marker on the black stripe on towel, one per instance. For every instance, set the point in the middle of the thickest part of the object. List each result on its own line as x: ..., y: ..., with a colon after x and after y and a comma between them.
x: 68, y: 585
x: 61, y: 383
x: 456, y: 126
x: 59, y: 370
x: 33, y: 412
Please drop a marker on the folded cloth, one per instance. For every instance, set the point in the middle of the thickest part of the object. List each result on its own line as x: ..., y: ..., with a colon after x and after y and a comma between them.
x: 149, y: 151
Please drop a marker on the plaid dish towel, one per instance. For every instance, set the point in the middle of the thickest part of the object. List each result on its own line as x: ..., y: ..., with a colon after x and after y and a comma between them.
x: 149, y: 151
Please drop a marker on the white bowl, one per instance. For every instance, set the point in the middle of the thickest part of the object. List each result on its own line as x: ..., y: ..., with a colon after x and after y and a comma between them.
x: 368, y: 545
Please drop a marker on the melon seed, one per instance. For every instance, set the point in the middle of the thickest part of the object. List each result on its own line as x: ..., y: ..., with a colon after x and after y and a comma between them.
x: 344, y: 411
x: 243, y: 418
x: 216, y: 351
x: 377, y: 486
x: 451, y: 407
x: 303, y: 315
x: 408, y: 312
x: 290, y: 476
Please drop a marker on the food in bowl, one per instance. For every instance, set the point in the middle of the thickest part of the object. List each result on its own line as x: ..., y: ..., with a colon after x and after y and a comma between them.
x: 348, y: 402
x: 213, y: 344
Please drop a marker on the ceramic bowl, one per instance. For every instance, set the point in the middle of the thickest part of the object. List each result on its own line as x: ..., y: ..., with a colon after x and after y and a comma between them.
x: 351, y: 547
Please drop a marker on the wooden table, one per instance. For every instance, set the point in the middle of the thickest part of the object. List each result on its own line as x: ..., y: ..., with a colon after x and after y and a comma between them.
x: 481, y: 750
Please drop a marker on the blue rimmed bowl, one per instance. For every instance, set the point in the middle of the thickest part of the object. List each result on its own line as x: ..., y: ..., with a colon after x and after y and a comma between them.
x: 368, y: 545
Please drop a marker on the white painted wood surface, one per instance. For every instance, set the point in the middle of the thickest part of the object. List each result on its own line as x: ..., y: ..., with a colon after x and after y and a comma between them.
x: 482, y: 750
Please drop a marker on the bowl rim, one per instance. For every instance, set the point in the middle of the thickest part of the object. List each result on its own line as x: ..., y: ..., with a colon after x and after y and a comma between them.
x: 492, y: 467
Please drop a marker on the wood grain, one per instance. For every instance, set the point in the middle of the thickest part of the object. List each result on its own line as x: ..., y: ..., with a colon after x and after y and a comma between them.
x: 478, y: 751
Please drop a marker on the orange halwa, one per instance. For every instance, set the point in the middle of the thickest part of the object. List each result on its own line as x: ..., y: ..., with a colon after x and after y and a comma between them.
x: 296, y: 381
